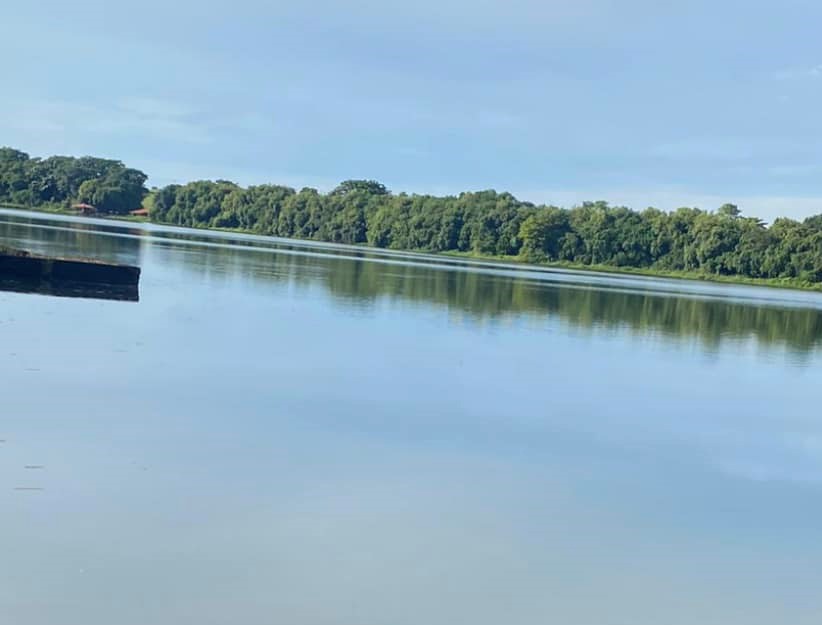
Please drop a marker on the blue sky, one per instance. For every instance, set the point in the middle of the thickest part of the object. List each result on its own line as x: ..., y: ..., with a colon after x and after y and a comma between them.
x: 637, y: 102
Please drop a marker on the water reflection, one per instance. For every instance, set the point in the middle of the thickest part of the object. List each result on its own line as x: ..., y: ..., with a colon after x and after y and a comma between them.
x: 115, y: 244
x: 677, y: 310
x: 482, y: 296
x: 282, y: 433
x: 81, y: 240
x: 123, y: 293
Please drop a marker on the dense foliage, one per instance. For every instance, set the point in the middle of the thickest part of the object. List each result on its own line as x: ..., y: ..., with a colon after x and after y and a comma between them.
x: 483, y: 223
x: 108, y: 185
x: 491, y: 223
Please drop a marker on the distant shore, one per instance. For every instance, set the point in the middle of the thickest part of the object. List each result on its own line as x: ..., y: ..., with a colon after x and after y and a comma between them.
x: 648, y: 272
x: 775, y: 283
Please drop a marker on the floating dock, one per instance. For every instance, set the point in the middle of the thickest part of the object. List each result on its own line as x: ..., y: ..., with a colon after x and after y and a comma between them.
x: 22, y: 271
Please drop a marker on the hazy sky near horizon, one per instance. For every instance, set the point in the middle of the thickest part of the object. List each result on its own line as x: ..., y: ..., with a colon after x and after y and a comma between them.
x: 636, y: 102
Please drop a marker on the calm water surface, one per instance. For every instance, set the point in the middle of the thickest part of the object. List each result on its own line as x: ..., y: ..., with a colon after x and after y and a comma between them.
x: 302, y: 434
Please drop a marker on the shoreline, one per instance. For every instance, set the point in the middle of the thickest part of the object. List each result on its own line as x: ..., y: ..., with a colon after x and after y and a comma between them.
x: 774, y: 283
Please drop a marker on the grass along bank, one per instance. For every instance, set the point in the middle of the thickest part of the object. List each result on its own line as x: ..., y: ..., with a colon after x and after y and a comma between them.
x: 649, y: 272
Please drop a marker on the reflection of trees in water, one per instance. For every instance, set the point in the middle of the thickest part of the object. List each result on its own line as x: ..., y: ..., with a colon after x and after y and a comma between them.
x: 484, y: 296
x: 477, y: 295
x: 73, y: 239
x: 80, y: 240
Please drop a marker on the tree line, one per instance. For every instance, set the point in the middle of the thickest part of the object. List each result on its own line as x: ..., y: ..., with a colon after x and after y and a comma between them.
x: 60, y: 181
x: 489, y: 223
x: 498, y: 224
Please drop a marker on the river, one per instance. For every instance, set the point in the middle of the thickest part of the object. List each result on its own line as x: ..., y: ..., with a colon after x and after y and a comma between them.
x: 308, y: 434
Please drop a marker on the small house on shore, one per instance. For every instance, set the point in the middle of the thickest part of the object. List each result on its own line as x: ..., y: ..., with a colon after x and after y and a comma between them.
x: 140, y: 212
x: 84, y: 209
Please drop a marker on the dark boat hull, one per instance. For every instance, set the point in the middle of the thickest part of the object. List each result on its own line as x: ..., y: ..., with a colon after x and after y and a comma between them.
x: 24, y: 272
x: 83, y: 290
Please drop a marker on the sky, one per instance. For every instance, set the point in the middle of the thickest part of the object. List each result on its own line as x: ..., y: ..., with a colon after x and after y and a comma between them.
x: 636, y: 102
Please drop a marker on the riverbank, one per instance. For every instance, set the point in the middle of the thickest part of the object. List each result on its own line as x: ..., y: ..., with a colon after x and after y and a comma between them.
x: 59, y: 209
x: 649, y: 272
x: 774, y: 283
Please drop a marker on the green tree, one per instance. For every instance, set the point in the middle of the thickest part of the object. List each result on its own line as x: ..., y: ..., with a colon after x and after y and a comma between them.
x: 729, y: 210
x: 484, y: 222
x: 543, y: 234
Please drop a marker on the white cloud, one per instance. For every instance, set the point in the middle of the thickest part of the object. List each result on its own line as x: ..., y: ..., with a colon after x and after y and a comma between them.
x: 713, y: 149
x: 716, y: 148
x: 499, y: 119
x: 148, y: 107
x: 798, y: 73
x: 71, y: 119
x: 767, y: 207
x: 795, y: 170
x: 163, y: 172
